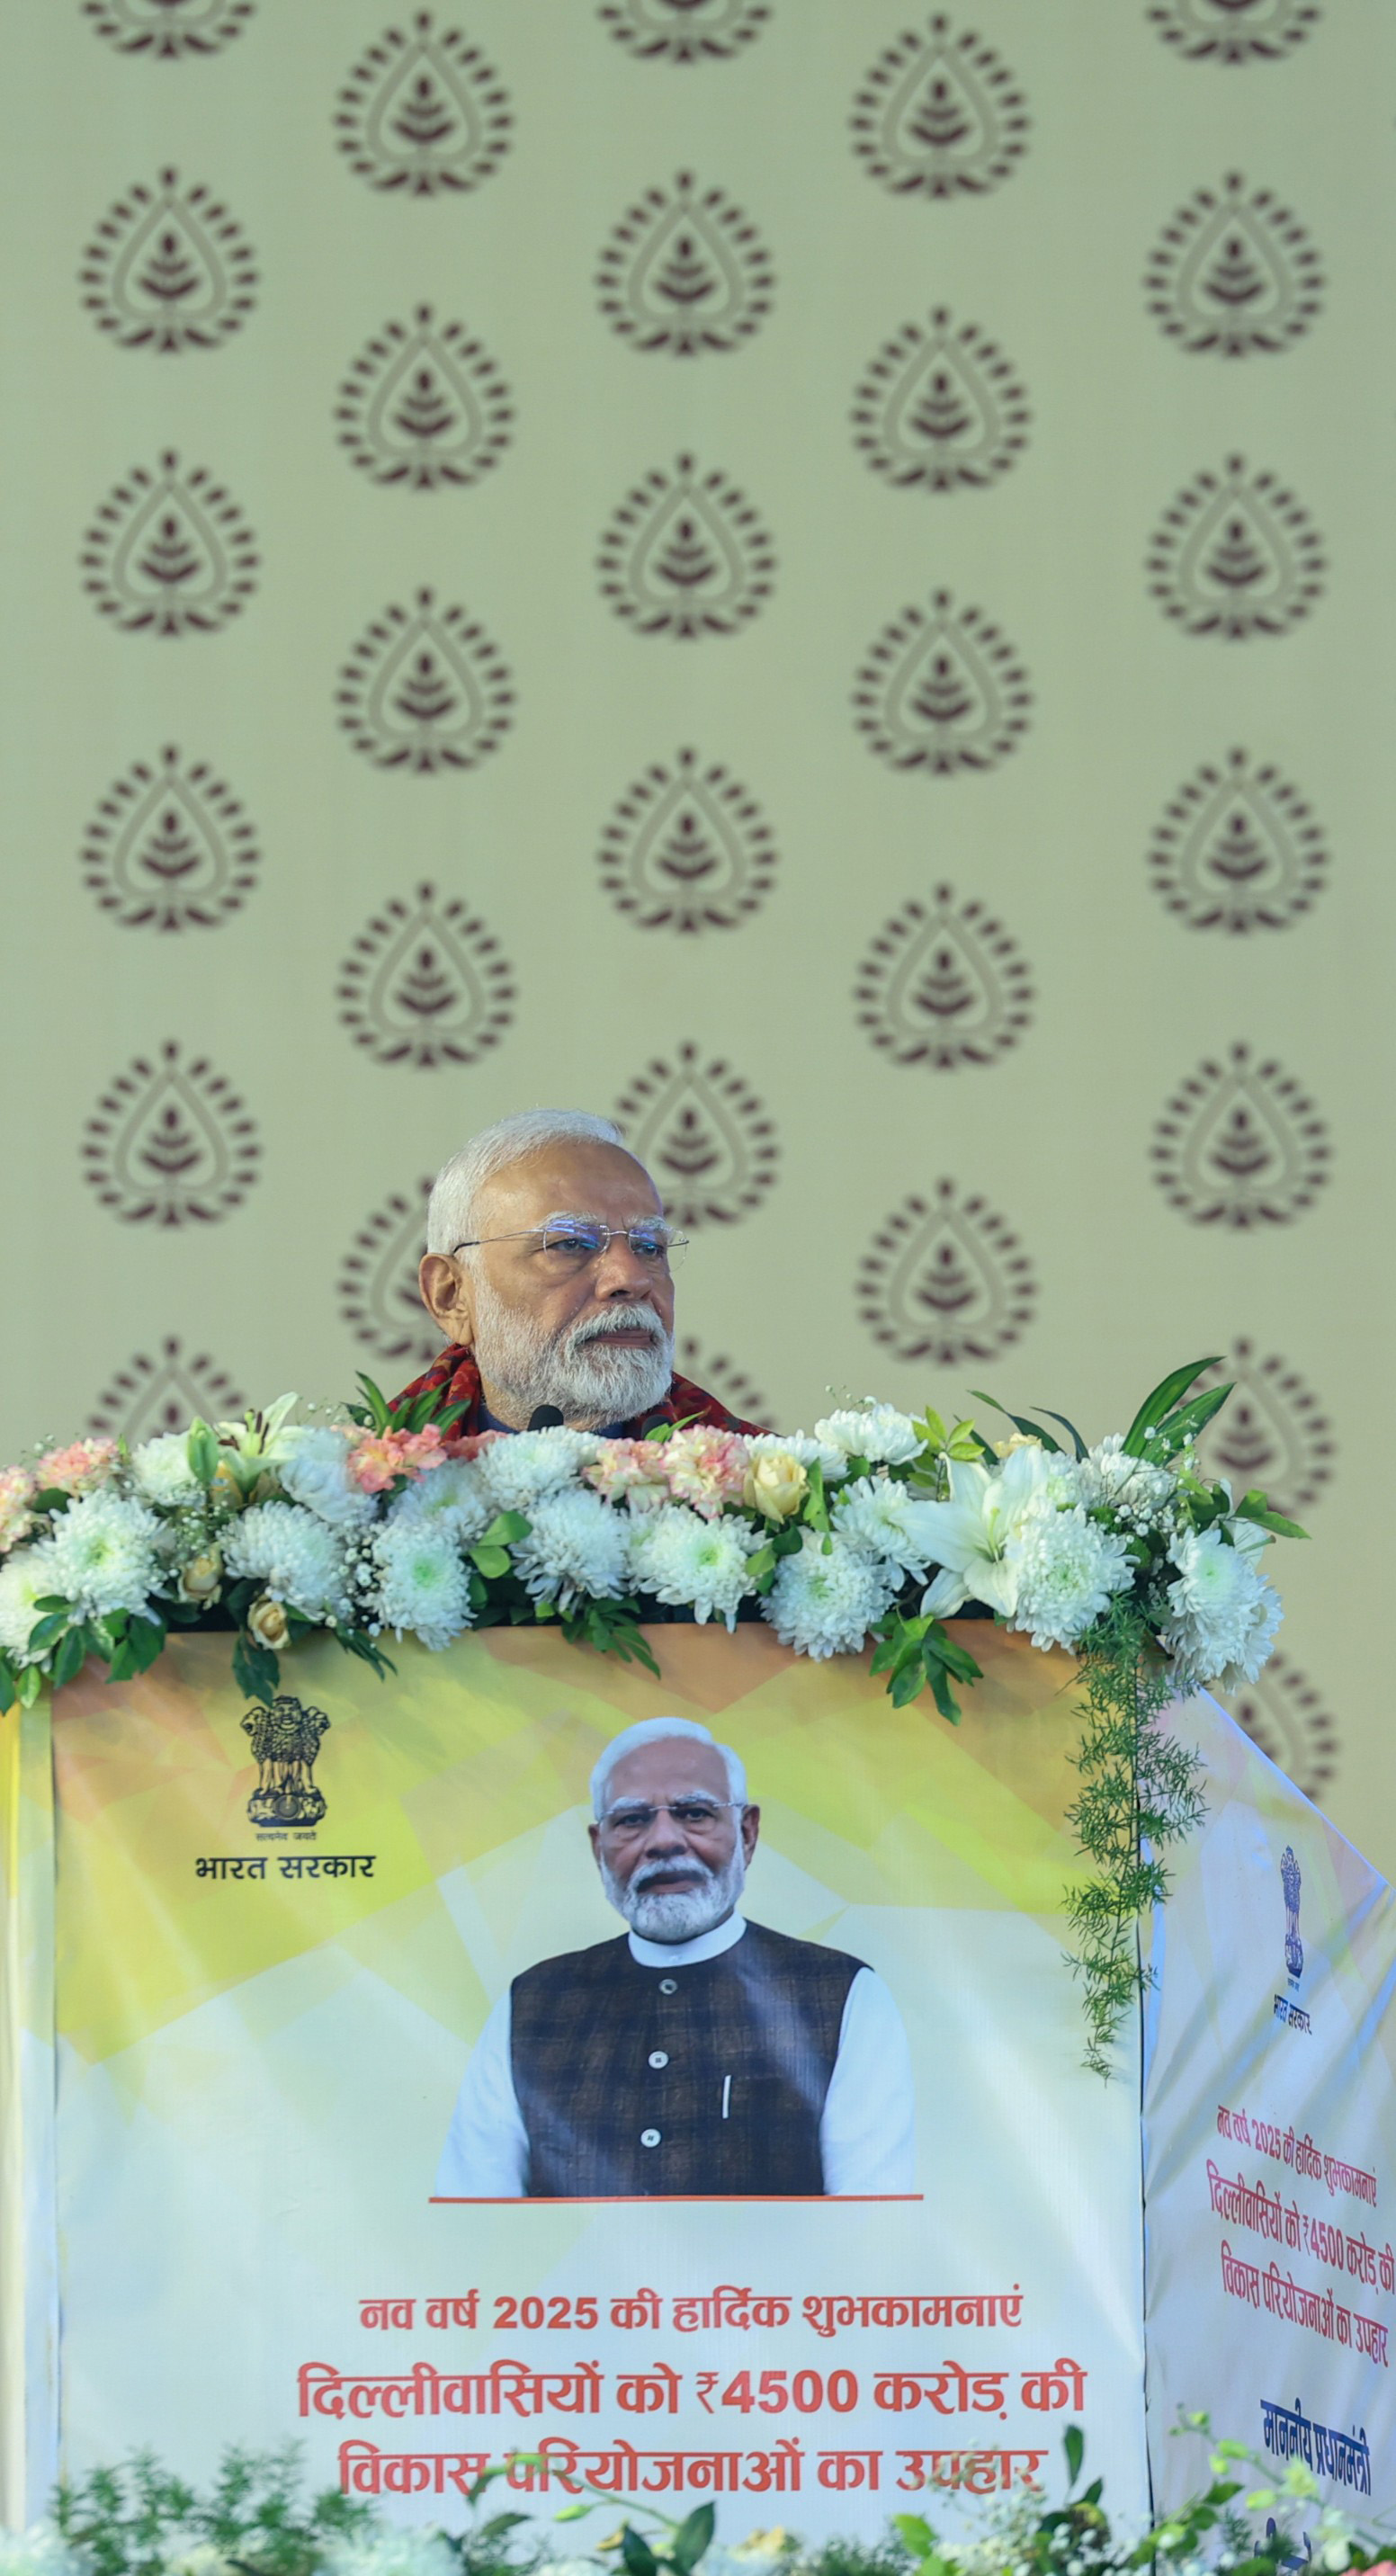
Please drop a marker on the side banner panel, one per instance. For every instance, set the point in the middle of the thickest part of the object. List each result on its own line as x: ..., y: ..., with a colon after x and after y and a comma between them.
x: 264, y: 2025
x: 28, y: 2275
x: 1270, y: 2139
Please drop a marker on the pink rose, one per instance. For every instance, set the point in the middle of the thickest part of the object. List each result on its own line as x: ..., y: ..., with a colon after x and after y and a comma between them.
x: 16, y: 1519
x: 706, y: 1469
x: 379, y: 1458
x: 628, y: 1471
x: 78, y: 1469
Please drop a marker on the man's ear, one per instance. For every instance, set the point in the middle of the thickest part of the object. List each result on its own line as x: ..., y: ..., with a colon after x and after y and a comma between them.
x: 594, y: 1837
x: 445, y: 1293
x: 751, y: 1831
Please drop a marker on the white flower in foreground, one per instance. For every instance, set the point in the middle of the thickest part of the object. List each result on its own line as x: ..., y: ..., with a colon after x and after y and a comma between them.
x: 389, y: 2552
x: 161, y: 1471
x: 522, y: 1465
x: 24, y: 1581
x: 1068, y: 1570
x: 1225, y: 1614
x: 40, y: 2551
x: 691, y: 1562
x: 825, y: 1604
x: 314, y: 1470
x: 1141, y: 1493
x: 181, y: 2556
x: 454, y: 1498
x: 422, y: 1584
x: 871, y: 1430
x: 102, y: 1555
x: 294, y: 1555
x: 576, y: 1545
x: 973, y: 1533
x: 886, y: 1517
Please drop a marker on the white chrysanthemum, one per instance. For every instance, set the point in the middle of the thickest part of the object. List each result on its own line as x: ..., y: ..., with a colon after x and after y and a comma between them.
x: 292, y: 1554
x: 1141, y: 1493
x: 422, y: 1583
x: 691, y: 1562
x: 161, y: 1471
x: 102, y: 1555
x: 24, y: 1582
x: 1068, y: 1570
x: 522, y: 1465
x: 314, y: 1471
x: 801, y: 1445
x: 871, y: 1430
x: 879, y: 1514
x: 576, y: 1546
x: 391, y: 2552
x: 1225, y: 1613
x: 41, y: 2551
x: 452, y: 1497
x: 182, y: 2556
x: 824, y: 1604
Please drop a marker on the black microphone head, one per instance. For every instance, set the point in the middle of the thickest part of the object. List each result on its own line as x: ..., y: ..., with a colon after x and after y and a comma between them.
x: 545, y: 1417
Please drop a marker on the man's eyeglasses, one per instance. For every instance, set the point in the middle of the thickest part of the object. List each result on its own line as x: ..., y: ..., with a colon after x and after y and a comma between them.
x: 694, y: 1815
x: 571, y: 1242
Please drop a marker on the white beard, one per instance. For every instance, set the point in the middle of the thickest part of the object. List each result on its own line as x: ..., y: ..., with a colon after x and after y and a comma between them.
x: 677, y: 1915
x: 576, y: 1370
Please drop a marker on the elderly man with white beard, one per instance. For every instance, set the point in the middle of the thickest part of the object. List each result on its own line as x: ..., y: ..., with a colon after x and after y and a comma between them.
x: 699, y: 2054
x: 549, y: 1268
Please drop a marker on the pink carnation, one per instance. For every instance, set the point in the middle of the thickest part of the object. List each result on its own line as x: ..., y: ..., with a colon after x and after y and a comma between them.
x: 628, y: 1469
x: 78, y: 1469
x: 378, y: 1459
x: 706, y: 1469
x: 16, y: 1519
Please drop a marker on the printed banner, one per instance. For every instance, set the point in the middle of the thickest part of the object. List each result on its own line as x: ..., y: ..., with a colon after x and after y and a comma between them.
x: 1270, y: 2140
x: 816, y: 2223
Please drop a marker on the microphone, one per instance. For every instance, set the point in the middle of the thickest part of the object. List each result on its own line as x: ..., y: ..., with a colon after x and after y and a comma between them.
x: 545, y: 1417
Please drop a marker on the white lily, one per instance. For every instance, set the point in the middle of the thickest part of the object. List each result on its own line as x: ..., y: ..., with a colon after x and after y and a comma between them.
x: 971, y: 1536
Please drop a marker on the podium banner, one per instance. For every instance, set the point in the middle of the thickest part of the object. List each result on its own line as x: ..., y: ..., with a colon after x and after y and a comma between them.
x: 279, y: 1937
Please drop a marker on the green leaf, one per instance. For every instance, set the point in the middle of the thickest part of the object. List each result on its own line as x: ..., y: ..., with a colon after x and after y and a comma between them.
x: 942, y: 1693
x: 1169, y: 1435
x: 956, y: 1659
x: 492, y: 1561
x: 1020, y: 1421
x: 28, y: 1685
x: 1254, y: 1507
x: 816, y: 1508
x: 1077, y: 1442
x: 659, y: 1432
x: 918, y: 2535
x: 1169, y: 1391
x: 53, y: 1498
x: 1074, y: 2445
x: 380, y: 1412
x: 256, y: 1670
x: 504, y: 1529
x: 693, y: 2537
x: 763, y: 1561
x: 43, y: 1632
x: 907, y: 1683
x: 201, y: 1450
x: 637, y: 2553
x: 9, y: 1692
x: 70, y: 1658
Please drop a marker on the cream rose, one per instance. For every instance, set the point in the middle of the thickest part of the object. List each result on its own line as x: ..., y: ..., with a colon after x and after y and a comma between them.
x: 268, y: 1624
x: 776, y: 1485
x: 201, y: 1577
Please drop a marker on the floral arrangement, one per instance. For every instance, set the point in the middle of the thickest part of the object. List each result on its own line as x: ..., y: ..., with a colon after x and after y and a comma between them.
x: 384, y: 1522
x: 136, y: 2520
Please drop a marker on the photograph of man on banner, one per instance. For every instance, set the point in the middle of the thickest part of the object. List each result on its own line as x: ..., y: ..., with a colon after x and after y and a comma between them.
x: 699, y: 2054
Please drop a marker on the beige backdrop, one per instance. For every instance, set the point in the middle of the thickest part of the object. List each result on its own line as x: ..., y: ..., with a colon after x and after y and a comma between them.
x: 815, y: 574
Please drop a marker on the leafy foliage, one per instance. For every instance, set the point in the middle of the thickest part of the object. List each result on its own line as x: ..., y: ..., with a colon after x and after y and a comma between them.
x: 135, y: 2519
x: 1139, y: 1793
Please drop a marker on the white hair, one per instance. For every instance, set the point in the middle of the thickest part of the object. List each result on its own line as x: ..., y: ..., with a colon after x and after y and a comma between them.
x: 451, y: 1207
x: 656, y: 1730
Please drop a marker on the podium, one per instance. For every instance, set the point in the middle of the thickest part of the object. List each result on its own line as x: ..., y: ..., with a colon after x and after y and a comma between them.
x: 248, y: 1953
